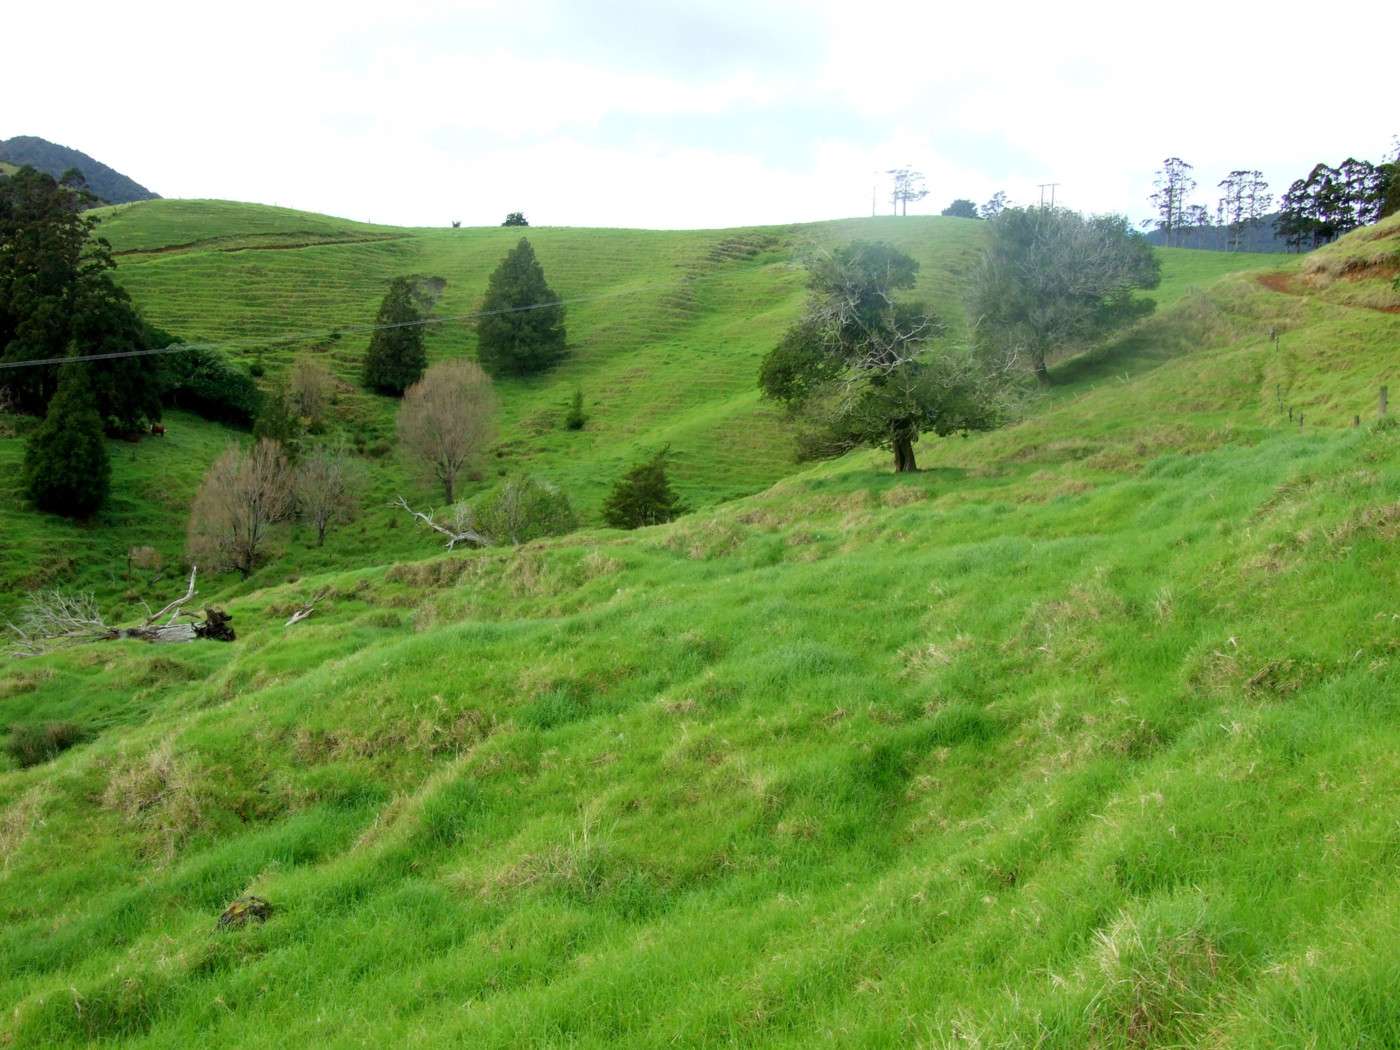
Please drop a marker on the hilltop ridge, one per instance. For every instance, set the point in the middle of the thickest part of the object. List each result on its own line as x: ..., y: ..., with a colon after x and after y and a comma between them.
x: 49, y: 157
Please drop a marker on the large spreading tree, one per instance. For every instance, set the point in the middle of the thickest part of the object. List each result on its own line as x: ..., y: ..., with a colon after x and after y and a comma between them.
x: 521, y: 327
x: 57, y: 298
x: 860, y: 367
x: 1052, y: 280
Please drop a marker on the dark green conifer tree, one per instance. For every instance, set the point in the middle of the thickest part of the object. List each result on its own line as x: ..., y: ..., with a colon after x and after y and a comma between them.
x: 521, y: 328
x: 65, y: 464
x: 643, y: 496
x: 396, y: 358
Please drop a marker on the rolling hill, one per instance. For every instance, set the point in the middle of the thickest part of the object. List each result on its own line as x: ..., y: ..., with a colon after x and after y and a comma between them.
x: 666, y: 332
x: 1084, y: 736
x: 107, y: 183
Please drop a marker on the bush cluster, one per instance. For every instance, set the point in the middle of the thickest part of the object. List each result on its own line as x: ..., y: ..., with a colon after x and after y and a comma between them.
x: 30, y: 745
x: 205, y: 382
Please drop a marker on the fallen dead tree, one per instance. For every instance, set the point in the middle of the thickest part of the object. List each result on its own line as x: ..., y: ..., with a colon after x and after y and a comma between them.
x: 459, y: 530
x: 52, y: 619
x: 307, y: 607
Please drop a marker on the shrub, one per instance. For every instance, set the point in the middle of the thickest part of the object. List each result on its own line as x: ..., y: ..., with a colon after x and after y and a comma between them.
x: 30, y: 745
x: 276, y: 421
x: 643, y: 496
x: 575, y: 419
x: 147, y: 559
x: 204, y: 381
x: 524, y: 509
x: 310, y: 389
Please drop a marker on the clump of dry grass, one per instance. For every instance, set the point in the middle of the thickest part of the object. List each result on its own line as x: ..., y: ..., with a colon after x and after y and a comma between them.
x: 712, y: 538
x: 903, y: 495
x: 19, y: 820
x: 581, y: 866
x: 1157, y: 981
x: 158, y: 794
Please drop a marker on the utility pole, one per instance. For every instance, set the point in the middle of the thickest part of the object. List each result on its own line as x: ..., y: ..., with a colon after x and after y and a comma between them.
x: 1047, y: 186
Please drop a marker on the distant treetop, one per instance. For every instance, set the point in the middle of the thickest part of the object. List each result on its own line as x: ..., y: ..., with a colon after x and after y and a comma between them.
x: 515, y: 218
x: 961, y: 209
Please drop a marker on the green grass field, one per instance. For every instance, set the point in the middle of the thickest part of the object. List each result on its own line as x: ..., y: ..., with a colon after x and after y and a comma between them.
x: 666, y: 336
x: 1085, y: 736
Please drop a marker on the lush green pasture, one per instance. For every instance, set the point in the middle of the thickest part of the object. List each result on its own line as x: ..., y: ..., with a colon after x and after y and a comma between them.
x: 667, y: 332
x: 1085, y: 736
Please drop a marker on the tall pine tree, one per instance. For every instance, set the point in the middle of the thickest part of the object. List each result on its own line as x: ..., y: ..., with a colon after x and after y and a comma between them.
x: 65, y: 465
x: 57, y: 293
x: 396, y: 358
x: 521, y: 328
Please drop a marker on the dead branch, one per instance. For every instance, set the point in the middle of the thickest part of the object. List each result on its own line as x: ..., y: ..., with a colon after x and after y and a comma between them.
x: 174, y: 607
x: 459, y: 531
x: 308, y: 608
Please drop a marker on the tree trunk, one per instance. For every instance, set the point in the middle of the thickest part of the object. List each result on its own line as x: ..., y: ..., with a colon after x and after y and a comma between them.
x: 1042, y: 373
x: 447, y: 489
x: 904, y: 456
x: 215, y: 627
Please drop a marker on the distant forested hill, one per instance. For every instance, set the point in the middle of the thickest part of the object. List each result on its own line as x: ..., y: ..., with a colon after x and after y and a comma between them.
x: 1257, y: 237
x: 112, y: 186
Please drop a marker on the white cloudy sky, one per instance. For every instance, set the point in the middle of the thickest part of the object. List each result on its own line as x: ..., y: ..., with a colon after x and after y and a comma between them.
x: 674, y: 114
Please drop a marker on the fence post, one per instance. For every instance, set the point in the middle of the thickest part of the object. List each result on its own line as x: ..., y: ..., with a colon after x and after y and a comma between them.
x: 1356, y: 420
x: 1385, y: 399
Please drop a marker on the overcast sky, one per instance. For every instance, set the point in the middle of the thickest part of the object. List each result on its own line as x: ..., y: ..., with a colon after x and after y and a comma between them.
x: 673, y: 114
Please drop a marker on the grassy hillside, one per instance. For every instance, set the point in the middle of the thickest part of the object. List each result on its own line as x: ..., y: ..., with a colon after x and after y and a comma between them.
x: 666, y: 345
x: 666, y: 332
x: 1084, y: 736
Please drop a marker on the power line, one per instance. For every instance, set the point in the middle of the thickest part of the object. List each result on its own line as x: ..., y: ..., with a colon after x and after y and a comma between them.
x: 299, y: 337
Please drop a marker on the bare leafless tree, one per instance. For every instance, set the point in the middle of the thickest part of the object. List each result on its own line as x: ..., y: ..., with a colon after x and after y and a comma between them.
x: 327, y: 488
x: 309, y: 388
x: 446, y: 419
x: 242, y: 496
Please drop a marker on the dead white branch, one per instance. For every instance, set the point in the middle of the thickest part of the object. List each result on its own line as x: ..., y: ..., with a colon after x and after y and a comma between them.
x: 174, y: 608
x: 308, y: 608
x: 459, y: 531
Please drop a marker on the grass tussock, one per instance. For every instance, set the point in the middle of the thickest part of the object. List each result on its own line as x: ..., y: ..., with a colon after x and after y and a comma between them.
x: 158, y: 795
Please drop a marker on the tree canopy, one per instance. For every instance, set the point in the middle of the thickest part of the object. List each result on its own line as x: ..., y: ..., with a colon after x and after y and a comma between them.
x: 859, y: 368
x: 962, y: 208
x: 643, y: 496
x: 1052, y: 280
x: 1332, y: 201
x: 57, y: 298
x: 66, y: 470
x: 396, y: 357
x: 515, y: 218
x: 521, y: 327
